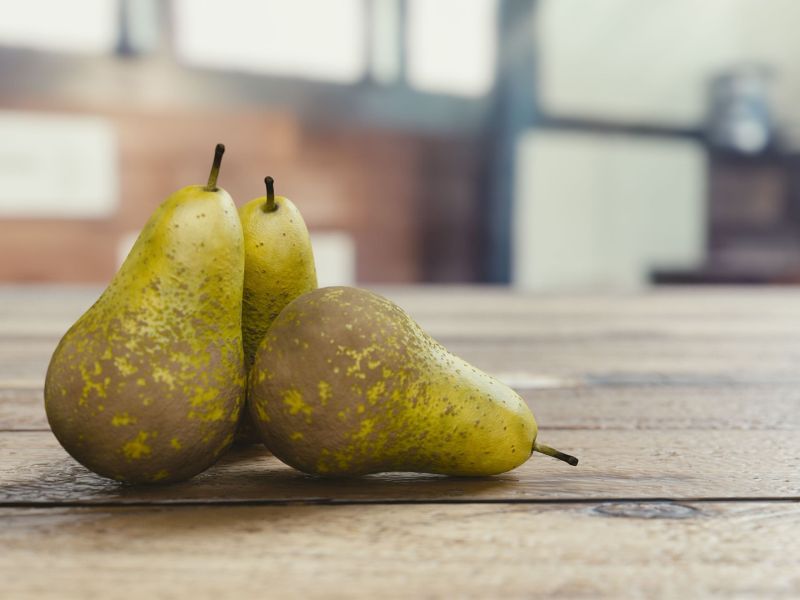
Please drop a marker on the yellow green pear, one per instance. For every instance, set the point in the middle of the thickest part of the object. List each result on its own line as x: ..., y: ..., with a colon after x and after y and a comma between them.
x: 148, y: 384
x: 279, y: 263
x: 345, y: 383
x: 279, y: 267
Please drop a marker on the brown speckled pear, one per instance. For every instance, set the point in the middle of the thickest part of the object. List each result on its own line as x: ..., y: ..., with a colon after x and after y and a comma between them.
x: 345, y: 383
x: 279, y: 267
x: 148, y: 384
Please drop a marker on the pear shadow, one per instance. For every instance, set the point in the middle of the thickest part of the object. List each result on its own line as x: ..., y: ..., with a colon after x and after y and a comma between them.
x: 262, y: 471
x: 246, y: 475
x: 56, y: 482
x: 252, y: 474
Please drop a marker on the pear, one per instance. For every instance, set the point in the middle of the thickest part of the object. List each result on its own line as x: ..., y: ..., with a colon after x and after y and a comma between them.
x: 279, y: 267
x: 345, y: 383
x: 148, y: 384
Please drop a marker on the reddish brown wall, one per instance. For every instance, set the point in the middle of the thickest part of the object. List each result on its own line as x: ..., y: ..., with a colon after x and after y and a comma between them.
x: 409, y: 200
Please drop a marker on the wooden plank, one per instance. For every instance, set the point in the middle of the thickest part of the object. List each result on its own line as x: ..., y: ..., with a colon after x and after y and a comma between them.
x: 667, y: 337
x: 615, y: 360
x: 22, y: 409
x: 614, y: 464
x: 554, y: 361
x: 487, y: 551
x: 459, y: 312
x: 23, y: 362
x: 668, y: 407
x: 652, y: 300
x: 565, y: 405
x: 42, y: 309
x: 458, y: 299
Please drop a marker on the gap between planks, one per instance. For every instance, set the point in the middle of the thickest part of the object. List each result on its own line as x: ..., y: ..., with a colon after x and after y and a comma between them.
x: 644, y: 500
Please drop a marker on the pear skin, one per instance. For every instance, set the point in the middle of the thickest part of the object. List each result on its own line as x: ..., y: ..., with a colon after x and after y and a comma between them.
x: 148, y: 384
x: 279, y: 263
x: 345, y: 383
x: 279, y: 267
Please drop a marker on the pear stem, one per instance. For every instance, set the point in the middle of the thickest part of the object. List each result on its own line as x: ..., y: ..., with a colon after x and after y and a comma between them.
x: 544, y: 449
x: 212, y: 177
x: 269, y: 205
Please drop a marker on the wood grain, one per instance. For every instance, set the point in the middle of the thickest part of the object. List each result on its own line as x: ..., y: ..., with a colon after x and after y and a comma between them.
x: 716, y: 406
x: 614, y: 464
x: 22, y: 410
x: 684, y: 395
x: 562, y: 404
x: 554, y: 363
x: 473, y: 551
x: 496, y: 312
x: 733, y: 336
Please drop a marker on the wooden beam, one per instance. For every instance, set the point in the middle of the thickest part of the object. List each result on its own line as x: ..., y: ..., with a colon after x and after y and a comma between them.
x: 500, y: 551
x: 111, y: 82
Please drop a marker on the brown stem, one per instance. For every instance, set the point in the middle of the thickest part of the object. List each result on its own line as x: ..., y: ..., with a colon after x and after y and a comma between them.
x: 212, y: 177
x: 269, y: 205
x: 544, y: 449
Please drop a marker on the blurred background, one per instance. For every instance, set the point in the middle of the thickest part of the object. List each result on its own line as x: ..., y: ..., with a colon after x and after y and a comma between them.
x: 548, y: 144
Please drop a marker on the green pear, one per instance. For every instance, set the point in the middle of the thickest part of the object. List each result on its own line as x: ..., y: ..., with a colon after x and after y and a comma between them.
x: 148, y: 384
x: 278, y: 267
x: 345, y: 383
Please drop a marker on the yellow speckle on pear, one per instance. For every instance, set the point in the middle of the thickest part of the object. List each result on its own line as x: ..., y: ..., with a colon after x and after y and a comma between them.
x: 216, y: 414
x: 293, y: 399
x: 203, y: 396
x: 367, y: 425
x: 325, y: 392
x: 137, y: 448
x: 122, y: 419
x: 262, y: 414
x: 375, y: 392
x: 124, y: 366
x: 161, y: 374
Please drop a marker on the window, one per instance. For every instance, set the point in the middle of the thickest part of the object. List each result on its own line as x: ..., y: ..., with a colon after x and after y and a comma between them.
x: 640, y: 62
x: 89, y: 26
x: 452, y: 45
x: 385, y: 41
x: 315, y: 39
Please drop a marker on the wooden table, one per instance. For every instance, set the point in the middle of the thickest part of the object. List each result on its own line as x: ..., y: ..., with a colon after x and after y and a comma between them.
x: 683, y: 406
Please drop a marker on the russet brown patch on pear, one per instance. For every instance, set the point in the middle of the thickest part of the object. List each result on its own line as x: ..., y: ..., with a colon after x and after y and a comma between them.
x: 394, y: 399
x: 148, y: 384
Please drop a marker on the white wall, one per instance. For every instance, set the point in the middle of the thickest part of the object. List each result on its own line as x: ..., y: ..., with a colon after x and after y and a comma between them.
x: 594, y: 210
x: 57, y: 166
